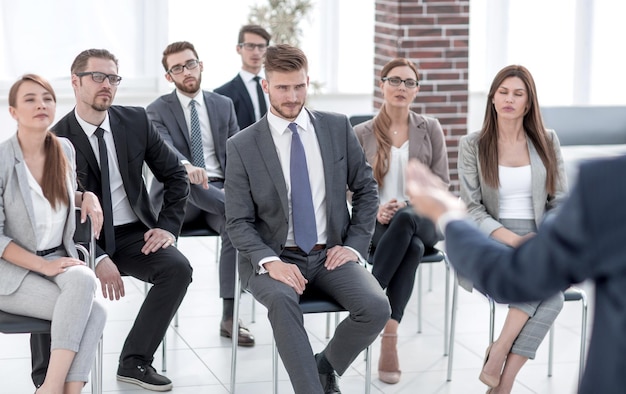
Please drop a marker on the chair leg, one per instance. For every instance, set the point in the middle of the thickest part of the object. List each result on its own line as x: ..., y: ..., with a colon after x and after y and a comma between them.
x: 430, y: 278
x: 583, y: 336
x: 455, y: 288
x: 96, y: 372
x: 446, y: 317
x: 274, y: 366
x: 550, y: 350
x: 368, y: 369
x: 233, y: 359
x: 419, y: 299
x: 492, y: 318
x: 164, y: 352
x: 217, y: 249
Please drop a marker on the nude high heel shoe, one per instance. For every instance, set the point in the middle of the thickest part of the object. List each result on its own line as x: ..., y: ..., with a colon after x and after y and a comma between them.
x: 388, y: 364
x: 491, y: 381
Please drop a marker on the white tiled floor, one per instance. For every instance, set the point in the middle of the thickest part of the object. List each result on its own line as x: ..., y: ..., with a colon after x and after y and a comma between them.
x: 199, y: 359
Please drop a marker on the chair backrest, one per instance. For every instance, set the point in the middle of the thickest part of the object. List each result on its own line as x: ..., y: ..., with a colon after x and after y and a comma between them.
x: 197, y: 228
x: 356, y: 119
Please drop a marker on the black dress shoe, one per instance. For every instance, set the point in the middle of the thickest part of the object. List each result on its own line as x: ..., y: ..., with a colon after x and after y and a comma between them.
x: 329, y: 383
x: 245, y: 337
x: 144, y: 376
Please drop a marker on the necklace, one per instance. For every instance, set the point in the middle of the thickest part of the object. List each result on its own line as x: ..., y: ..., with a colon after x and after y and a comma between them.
x: 395, y: 132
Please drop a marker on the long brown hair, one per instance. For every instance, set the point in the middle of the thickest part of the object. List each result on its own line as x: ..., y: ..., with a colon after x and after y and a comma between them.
x: 533, y: 126
x: 382, y: 123
x: 53, y: 184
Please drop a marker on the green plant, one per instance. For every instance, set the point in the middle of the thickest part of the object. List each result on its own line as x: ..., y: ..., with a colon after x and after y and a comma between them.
x: 282, y: 18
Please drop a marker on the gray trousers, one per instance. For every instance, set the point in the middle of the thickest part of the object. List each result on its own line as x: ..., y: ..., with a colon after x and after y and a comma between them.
x: 542, y: 314
x: 352, y: 286
x: 67, y: 300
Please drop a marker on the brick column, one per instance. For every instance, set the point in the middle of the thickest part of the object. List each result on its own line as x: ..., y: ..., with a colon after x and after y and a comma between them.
x: 434, y: 34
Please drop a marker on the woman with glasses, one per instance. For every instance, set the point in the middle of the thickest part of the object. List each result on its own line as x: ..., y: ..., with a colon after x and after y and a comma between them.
x: 401, y: 237
x: 511, y: 172
x: 40, y: 274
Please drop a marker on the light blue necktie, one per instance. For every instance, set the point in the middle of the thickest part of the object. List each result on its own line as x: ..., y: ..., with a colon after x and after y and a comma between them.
x: 304, y: 228
x: 197, y: 154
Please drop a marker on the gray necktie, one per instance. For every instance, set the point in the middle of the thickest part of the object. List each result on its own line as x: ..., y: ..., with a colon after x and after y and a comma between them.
x: 303, y: 213
x: 197, y: 154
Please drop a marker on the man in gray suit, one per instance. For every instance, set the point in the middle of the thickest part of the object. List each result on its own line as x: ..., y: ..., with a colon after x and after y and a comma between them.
x: 286, y: 212
x: 196, y: 125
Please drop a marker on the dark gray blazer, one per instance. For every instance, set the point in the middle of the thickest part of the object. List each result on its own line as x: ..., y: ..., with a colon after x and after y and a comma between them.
x: 168, y: 118
x: 584, y: 239
x: 257, y: 211
x: 17, y: 216
x: 236, y: 90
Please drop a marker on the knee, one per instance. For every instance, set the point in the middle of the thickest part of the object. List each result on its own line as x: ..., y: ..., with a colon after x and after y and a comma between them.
x: 98, y: 314
x: 81, y: 280
x: 179, y: 271
x: 376, y: 310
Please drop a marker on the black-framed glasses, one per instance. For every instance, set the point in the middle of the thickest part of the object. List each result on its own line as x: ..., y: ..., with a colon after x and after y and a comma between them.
x: 189, y: 65
x: 99, y: 77
x: 249, y: 46
x: 393, y: 81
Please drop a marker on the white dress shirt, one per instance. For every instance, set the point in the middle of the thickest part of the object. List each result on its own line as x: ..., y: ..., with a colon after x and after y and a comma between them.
x: 212, y: 164
x: 393, y: 187
x: 49, y: 222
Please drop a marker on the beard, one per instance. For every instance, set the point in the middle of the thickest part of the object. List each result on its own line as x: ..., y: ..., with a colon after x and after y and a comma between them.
x: 189, y: 88
x: 287, y: 112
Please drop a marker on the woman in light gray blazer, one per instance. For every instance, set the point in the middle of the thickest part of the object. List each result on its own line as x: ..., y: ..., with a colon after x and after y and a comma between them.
x: 40, y: 274
x: 401, y: 237
x: 511, y: 172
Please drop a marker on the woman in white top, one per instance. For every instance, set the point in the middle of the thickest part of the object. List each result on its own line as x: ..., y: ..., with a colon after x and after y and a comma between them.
x: 401, y: 237
x: 511, y: 172
x: 40, y: 274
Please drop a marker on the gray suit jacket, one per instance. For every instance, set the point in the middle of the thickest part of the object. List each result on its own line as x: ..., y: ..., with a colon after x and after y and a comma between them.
x: 17, y: 217
x: 426, y: 143
x: 168, y: 118
x: 257, y: 211
x: 483, y: 201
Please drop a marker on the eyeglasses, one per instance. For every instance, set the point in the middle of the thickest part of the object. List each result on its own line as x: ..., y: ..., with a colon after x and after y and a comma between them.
x: 409, y: 83
x: 250, y: 46
x: 179, y: 68
x: 99, y: 77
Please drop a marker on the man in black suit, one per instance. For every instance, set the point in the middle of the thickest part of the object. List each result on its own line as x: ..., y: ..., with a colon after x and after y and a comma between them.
x: 134, y: 241
x: 583, y: 240
x: 177, y: 116
x: 245, y: 89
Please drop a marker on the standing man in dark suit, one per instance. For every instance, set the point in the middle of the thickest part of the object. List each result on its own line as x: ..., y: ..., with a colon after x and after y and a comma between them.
x: 134, y: 241
x: 286, y: 212
x: 583, y: 240
x: 245, y: 89
x: 213, y: 117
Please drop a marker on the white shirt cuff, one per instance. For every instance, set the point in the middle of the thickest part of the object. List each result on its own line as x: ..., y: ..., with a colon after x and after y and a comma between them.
x: 262, y: 269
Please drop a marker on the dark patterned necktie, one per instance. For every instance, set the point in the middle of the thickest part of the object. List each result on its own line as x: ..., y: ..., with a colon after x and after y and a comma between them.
x: 197, y: 154
x: 303, y: 213
x: 107, y: 206
x: 260, y: 96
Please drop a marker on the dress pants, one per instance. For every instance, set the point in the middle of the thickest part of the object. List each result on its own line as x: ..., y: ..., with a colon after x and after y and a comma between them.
x: 351, y: 285
x: 169, y: 272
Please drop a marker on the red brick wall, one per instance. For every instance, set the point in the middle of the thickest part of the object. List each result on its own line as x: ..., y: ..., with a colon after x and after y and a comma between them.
x: 435, y: 35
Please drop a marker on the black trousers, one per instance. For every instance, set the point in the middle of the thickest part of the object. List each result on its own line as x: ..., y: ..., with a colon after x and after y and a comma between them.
x: 170, y: 274
x: 398, y: 249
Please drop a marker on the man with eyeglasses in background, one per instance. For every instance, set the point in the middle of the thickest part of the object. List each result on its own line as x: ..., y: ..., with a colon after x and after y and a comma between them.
x: 245, y: 89
x: 112, y: 144
x: 196, y: 125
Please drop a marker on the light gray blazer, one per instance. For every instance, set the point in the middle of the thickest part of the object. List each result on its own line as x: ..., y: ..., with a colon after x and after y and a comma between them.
x: 257, y: 210
x: 426, y: 143
x: 17, y: 218
x: 483, y: 201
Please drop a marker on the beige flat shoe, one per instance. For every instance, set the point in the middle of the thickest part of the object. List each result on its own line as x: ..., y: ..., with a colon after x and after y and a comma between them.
x: 491, y: 381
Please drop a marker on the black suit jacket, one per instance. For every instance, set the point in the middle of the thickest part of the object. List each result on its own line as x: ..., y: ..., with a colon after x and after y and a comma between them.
x: 584, y: 239
x: 237, y: 91
x: 136, y: 142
